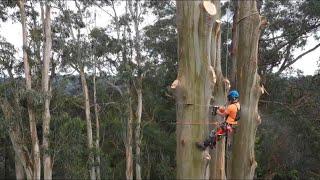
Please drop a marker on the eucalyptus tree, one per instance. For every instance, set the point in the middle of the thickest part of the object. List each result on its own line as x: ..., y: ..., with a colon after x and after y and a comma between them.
x: 120, y: 45
x: 136, y: 12
x: 76, y: 55
x: 31, y: 160
x: 194, y: 85
x: 248, y: 84
x: 46, y: 89
x: 125, y: 70
x: 104, y: 47
x: 36, y: 167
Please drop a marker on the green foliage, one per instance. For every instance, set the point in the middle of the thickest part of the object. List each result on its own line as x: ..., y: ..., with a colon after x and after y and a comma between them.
x: 290, y: 24
x: 288, y: 139
x: 7, y: 52
x: 159, y: 150
x: 70, y: 148
x: 103, y: 43
x: 4, y: 15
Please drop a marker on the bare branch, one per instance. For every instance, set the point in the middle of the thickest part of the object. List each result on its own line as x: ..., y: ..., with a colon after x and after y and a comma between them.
x: 284, y: 66
x: 279, y: 103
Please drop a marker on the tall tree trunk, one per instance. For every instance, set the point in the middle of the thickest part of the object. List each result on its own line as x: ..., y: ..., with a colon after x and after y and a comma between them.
x: 217, y: 164
x: 32, y: 119
x: 19, y: 168
x: 135, y: 16
x: 138, y: 135
x: 194, y: 83
x: 128, y: 142
x: 249, y: 23
x: 96, y: 113
x: 234, y: 45
x: 47, y: 161
x: 129, y: 122
x: 88, y: 120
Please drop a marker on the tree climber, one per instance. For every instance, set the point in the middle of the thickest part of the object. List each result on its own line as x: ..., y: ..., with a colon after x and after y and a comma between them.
x: 231, y: 114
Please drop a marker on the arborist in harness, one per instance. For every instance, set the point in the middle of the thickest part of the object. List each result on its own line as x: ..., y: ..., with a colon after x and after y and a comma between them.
x: 231, y: 114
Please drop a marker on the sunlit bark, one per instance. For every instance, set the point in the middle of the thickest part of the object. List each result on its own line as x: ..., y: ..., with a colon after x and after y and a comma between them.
x: 36, y: 168
x: 88, y: 121
x: 47, y: 161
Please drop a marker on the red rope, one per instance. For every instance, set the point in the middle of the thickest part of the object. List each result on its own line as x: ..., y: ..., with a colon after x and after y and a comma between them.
x: 196, y: 123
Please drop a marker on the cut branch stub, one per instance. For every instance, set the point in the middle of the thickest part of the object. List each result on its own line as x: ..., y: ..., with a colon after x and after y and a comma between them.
x: 175, y: 84
x: 263, y: 90
x: 210, y: 7
x: 227, y: 84
x: 263, y: 22
x: 213, y: 75
x: 206, y: 155
x: 217, y: 27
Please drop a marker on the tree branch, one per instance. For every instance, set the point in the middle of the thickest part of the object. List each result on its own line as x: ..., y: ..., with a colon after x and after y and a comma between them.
x: 279, y: 103
x: 284, y: 66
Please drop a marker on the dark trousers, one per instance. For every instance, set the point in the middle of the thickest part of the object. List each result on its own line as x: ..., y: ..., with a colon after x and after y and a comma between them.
x: 215, y: 136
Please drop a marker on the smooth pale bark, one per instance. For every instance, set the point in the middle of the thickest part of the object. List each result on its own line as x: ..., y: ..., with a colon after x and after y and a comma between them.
x: 96, y: 113
x: 85, y: 91
x: 36, y: 174
x: 138, y: 136
x: 19, y: 168
x: 217, y: 164
x: 128, y: 142
x: 88, y: 121
x: 193, y: 87
x: 47, y: 161
x: 248, y: 84
x: 129, y: 123
x: 135, y: 16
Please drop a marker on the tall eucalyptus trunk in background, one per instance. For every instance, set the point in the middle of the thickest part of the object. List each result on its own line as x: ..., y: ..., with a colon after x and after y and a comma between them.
x: 88, y: 122
x: 96, y: 115
x: 47, y: 160
x: 35, y: 150
x: 135, y: 11
x: 128, y: 141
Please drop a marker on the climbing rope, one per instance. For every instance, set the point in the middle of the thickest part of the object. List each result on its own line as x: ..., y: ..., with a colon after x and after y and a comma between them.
x: 201, y: 105
x: 197, y: 123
